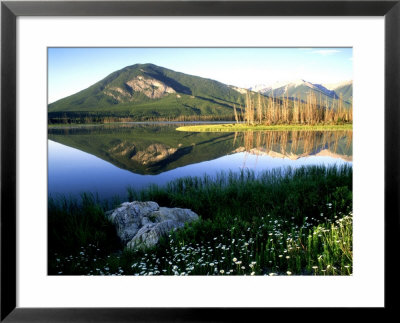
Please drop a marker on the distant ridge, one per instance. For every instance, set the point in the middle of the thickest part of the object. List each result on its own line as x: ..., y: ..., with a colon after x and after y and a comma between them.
x: 300, y: 88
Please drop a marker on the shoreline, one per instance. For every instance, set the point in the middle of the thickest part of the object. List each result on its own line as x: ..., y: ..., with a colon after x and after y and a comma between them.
x: 277, y: 224
x: 71, y: 125
x: 244, y: 127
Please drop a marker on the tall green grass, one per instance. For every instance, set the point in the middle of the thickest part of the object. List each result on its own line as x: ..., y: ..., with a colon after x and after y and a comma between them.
x: 281, y: 192
x: 291, y: 222
x: 75, y: 225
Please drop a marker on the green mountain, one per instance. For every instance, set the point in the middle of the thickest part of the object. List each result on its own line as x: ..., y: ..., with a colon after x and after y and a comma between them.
x: 145, y: 91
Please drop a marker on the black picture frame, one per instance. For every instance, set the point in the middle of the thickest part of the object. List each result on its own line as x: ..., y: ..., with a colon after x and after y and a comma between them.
x: 10, y: 10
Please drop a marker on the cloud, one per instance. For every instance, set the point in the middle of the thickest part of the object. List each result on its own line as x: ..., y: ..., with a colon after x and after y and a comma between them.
x: 326, y: 52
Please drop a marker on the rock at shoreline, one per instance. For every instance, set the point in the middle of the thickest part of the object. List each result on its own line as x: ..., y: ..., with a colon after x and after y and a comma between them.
x: 141, y: 224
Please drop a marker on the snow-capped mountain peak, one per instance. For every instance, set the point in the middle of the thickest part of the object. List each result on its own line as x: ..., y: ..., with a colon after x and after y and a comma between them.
x: 299, y: 82
x: 262, y: 88
x: 301, y: 88
x: 333, y: 86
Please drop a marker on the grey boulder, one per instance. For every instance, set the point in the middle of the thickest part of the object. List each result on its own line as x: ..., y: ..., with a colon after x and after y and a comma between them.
x: 141, y: 224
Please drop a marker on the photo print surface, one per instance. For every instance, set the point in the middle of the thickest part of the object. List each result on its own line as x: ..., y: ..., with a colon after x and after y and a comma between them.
x: 200, y: 161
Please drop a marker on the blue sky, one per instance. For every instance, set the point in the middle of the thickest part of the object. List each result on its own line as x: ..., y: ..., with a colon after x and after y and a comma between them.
x: 73, y: 69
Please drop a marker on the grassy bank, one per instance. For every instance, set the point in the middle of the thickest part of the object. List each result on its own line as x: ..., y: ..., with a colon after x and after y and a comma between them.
x: 245, y: 127
x: 279, y: 223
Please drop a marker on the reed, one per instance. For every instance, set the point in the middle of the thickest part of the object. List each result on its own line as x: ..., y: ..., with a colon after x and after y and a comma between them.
x: 263, y: 110
x: 280, y: 222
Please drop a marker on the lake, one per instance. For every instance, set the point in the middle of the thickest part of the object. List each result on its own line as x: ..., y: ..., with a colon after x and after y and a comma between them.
x: 107, y: 159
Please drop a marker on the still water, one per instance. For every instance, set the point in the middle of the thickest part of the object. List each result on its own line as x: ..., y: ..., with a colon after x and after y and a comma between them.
x: 107, y: 159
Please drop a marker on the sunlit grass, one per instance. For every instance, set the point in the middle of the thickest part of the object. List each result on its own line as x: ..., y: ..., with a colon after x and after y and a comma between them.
x: 258, y: 127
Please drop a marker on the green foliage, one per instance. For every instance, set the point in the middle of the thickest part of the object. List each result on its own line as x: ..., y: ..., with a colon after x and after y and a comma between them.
x: 296, y: 221
x: 74, y: 225
x: 283, y: 194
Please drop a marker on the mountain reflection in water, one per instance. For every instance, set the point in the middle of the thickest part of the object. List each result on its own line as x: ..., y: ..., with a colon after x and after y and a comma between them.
x: 106, y: 159
x: 297, y: 144
x: 156, y: 148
